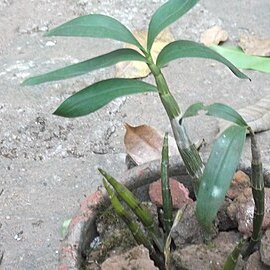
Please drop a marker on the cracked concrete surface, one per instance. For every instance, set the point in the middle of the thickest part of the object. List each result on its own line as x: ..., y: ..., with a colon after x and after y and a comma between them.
x: 47, y: 164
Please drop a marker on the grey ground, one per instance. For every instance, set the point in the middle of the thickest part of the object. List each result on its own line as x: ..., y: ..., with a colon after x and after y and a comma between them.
x: 48, y: 164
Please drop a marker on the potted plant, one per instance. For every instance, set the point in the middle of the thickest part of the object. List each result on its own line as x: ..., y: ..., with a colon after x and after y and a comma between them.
x: 211, y: 180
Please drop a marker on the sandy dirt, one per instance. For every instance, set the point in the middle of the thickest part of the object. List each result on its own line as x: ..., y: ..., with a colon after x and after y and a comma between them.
x: 48, y: 164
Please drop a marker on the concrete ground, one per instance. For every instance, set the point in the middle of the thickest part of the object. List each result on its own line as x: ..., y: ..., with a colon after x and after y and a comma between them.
x: 48, y: 164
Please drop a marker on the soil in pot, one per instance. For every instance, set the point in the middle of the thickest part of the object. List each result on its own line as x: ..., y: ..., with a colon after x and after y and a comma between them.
x: 190, y: 252
x: 114, y: 238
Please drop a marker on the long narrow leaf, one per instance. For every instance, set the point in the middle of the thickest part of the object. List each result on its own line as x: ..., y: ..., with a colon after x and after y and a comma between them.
x: 166, y: 15
x: 218, y: 110
x: 243, y: 60
x: 99, y: 94
x: 218, y: 174
x: 95, y: 25
x: 187, y: 48
x: 81, y: 68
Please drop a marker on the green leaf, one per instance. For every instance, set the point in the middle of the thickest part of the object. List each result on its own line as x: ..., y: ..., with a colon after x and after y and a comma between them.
x: 193, y: 110
x: 81, y: 68
x: 95, y: 25
x: 99, y: 94
x: 242, y: 60
x: 166, y: 15
x: 218, y: 174
x: 187, y: 48
x: 218, y: 110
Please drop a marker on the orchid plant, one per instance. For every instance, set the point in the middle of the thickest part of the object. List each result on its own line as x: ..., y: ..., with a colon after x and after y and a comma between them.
x: 210, y: 180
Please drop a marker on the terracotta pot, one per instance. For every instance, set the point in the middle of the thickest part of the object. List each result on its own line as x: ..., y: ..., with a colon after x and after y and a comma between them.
x: 82, y: 230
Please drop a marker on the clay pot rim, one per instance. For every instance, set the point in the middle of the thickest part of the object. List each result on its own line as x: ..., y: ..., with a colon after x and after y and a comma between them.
x: 71, y: 253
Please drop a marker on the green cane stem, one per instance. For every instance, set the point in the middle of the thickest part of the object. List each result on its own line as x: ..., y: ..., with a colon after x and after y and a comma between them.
x: 189, y: 154
x: 166, y: 193
x: 257, y: 183
x: 139, y: 210
x: 138, y: 234
x: 187, y: 150
x: 233, y: 257
x: 165, y: 95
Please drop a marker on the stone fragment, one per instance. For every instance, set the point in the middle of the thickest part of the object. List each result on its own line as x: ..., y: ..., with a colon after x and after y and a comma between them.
x: 135, y: 259
x: 242, y: 209
x: 223, y: 221
x: 180, y: 194
x: 188, y: 231
x: 265, y: 248
x: 203, y: 256
x: 239, y: 183
x: 254, y: 262
x: 196, y: 257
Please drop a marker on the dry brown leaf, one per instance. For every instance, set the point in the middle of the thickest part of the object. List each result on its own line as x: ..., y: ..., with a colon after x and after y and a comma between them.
x: 255, y: 46
x: 214, y: 35
x: 144, y: 143
x: 257, y: 116
x: 137, y: 69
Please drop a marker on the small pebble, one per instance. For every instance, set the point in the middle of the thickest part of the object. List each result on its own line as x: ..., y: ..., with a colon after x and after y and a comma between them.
x: 18, y: 236
x: 43, y: 28
x: 50, y: 43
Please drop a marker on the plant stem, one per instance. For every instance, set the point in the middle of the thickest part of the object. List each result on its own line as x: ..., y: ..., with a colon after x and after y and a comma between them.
x: 189, y: 153
x: 138, y: 209
x: 166, y: 193
x: 165, y: 95
x: 140, y: 237
x: 257, y: 183
x: 233, y: 257
x: 187, y: 150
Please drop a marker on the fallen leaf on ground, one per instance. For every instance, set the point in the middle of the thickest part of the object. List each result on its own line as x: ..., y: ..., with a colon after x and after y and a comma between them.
x: 64, y: 227
x: 242, y: 60
x: 214, y: 35
x: 255, y: 46
x: 144, y: 143
x: 137, y: 69
x: 256, y: 115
